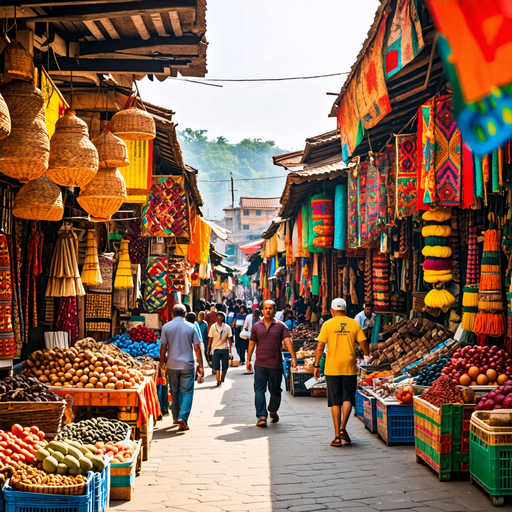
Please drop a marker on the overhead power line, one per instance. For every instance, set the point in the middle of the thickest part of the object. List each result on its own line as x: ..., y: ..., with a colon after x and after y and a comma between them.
x: 242, y: 179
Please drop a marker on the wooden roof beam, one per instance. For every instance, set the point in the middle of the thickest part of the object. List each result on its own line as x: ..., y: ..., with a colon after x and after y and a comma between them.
x: 95, y: 31
x: 60, y: 3
x: 121, y: 10
x: 156, y: 18
x: 174, y: 18
x: 112, y: 32
x: 141, y: 28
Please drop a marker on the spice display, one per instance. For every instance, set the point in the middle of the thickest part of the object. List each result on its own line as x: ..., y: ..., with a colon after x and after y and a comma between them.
x: 19, y: 388
x: 91, y: 274
x: 443, y: 391
x: 70, y: 368
x: 472, y: 366
x: 123, y: 278
x: 499, y: 398
x: 95, y: 430
x: 20, y: 444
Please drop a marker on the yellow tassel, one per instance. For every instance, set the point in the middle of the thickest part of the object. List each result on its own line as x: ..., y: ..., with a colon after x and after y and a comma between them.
x: 470, y: 300
x: 468, y: 321
x: 490, y: 282
x: 439, y: 298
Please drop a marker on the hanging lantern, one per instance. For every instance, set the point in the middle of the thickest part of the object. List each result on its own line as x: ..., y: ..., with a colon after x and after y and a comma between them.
x: 73, y: 157
x: 24, y: 153
x: 91, y: 274
x: 104, y: 195
x: 124, y: 278
x: 19, y: 63
x: 133, y: 124
x: 112, y: 150
x: 39, y: 199
x: 5, y: 119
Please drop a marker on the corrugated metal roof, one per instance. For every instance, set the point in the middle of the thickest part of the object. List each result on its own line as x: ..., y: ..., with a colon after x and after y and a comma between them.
x: 259, y: 202
x: 293, y: 159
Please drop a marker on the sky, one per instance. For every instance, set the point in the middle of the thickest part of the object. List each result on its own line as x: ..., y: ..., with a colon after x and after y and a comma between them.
x: 269, y: 39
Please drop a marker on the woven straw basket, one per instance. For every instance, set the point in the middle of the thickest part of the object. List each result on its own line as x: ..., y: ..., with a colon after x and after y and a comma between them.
x: 24, y: 153
x: 39, y: 199
x: 73, y: 157
x: 18, y: 63
x: 133, y: 124
x: 5, y: 119
x: 104, y: 195
x: 112, y: 150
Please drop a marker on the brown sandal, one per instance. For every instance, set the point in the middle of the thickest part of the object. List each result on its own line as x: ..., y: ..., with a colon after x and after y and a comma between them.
x: 262, y: 422
x: 344, y: 435
x: 337, y: 442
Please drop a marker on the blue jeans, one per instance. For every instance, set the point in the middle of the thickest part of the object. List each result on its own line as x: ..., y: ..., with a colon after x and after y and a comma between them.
x: 181, y: 386
x: 264, y: 377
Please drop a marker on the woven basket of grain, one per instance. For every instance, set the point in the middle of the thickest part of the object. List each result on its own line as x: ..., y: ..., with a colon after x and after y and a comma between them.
x: 73, y: 157
x: 19, y: 63
x: 104, y: 195
x: 133, y: 124
x: 39, y: 199
x: 112, y: 150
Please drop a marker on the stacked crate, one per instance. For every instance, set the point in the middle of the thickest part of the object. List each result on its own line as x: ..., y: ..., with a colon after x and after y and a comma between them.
x: 122, y: 476
x: 395, y: 422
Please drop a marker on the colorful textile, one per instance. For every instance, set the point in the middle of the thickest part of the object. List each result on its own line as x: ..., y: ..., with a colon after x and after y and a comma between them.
x: 289, y: 245
x: 156, y: 285
x: 406, y: 179
x: 389, y: 186
x: 380, y: 281
x: 295, y: 240
x: 495, y: 171
x: 305, y: 231
x: 372, y: 97
x: 67, y: 318
x: 478, y: 177
x: 375, y: 200
x: 362, y: 202
x: 405, y: 39
x: 298, y: 224
x: 467, y: 188
x: 107, y: 275
x: 426, y: 174
x: 166, y: 213
x: 7, y: 339
x: 352, y: 208
x: 350, y: 126
x: 321, y: 223
x: 340, y: 217
x: 475, y: 42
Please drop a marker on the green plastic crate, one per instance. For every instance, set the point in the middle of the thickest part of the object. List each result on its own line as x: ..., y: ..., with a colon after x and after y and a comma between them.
x: 491, y: 466
x: 445, y: 464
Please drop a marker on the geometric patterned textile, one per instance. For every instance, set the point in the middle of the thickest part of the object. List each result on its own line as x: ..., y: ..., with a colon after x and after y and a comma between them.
x: 406, y: 175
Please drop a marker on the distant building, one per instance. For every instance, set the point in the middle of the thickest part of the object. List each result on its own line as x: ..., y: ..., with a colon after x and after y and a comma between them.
x: 246, y: 222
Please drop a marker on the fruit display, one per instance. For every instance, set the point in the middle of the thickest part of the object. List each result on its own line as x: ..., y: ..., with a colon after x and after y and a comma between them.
x: 19, y: 388
x: 499, y: 398
x: 405, y: 395
x: 479, y: 366
x: 98, y: 347
x: 70, y: 368
x: 367, y: 381
x: 118, y: 452
x: 95, y: 430
x: 431, y: 372
x: 24, y: 477
x: 136, y: 348
x: 142, y: 333
x: 21, y: 444
x: 69, y: 457
x: 443, y: 391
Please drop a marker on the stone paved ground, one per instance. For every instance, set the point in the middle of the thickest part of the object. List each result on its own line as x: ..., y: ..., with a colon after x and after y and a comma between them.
x: 225, y: 463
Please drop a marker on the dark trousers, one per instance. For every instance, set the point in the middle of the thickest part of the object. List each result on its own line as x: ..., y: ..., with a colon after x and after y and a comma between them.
x: 263, y: 378
x: 236, y: 335
x: 244, y: 345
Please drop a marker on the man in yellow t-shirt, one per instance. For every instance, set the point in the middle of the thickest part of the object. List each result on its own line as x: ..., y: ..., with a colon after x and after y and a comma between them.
x: 340, y: 334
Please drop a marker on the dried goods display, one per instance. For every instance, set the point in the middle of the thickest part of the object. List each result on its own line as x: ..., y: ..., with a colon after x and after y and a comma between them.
x: 107, y: 350
x: 70, y: 368
x: 443, y: 391
x: 303, y: 332
x: 95, y: 430
x: 19, y: 388
x: 386, y: 388
x: 404, y: 396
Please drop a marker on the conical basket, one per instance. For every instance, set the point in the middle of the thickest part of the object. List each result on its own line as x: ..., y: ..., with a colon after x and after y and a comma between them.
x: 24, y: 153
x: 124, y: 278
x: 5, y: 119
x: 39, y: 199
x: 18, y: 63
x: 104, y: 195
x: 133, y: 124
x: 91, y: 275
x: 112, y: 150
x: 73, y: 157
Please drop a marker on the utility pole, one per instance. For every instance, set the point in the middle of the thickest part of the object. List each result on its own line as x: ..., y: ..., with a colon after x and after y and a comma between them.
x: 232, y: 191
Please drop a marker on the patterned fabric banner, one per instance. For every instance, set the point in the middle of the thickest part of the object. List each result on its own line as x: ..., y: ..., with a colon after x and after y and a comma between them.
x: 406, y: 165
x: 352, y: 208
x: 390, y: 185
x: 321, y: 223
x: 405, y: 39
x: 137, y: 175
x: 362, y: 202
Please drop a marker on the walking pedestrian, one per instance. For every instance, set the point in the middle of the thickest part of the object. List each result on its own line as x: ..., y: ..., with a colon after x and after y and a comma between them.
x: 268, y: 336
x: 245, y: 334
x: 179, y: 341
x: 289, y: 321
x: 211, y: 316
x: 340, y: 334
x: 203, y: 329
x: 219, y: 345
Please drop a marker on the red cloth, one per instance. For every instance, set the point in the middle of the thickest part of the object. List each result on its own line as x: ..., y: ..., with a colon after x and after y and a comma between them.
x: 211, y: 318
x: 148, y: 402
x: 467, y: 176
x: 419, y: 153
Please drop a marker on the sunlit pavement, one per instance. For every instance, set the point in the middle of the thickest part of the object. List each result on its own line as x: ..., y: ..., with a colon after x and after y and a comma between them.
x: 224, y: 462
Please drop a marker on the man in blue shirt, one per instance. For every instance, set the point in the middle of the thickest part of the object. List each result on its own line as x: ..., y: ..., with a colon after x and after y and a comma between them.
x: 366, y: 318
x: 179, y: 342
x: 203, y: 327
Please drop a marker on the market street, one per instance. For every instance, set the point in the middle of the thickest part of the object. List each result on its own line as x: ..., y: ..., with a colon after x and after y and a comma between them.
x: 225, y: 463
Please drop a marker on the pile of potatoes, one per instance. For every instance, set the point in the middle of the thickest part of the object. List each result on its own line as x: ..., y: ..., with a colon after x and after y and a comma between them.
x: 71, y: 368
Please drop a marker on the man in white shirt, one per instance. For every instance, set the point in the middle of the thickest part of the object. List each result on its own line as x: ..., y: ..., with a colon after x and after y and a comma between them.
x: 219, y: 345
x: 281, y: 315
x: 366, y: 318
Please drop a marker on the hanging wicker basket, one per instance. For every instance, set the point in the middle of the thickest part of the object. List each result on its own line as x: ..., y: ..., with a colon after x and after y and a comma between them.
x: 19, y: 63
x: 133, y: 124
x: 5, y: 119
x: 73, y: 157
x: 104, y: 195
x: 24, y: 153
x: 39, y: 199
x: 112, y: 150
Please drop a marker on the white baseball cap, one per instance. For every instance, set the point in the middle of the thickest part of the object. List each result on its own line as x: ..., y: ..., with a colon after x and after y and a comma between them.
x: 339, y: 305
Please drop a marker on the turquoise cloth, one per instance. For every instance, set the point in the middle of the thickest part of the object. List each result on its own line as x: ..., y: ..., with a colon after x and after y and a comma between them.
x: 315, y: 285
x: 340, y: 217
x: 495, y: 172
x: 272, y: 267
x: 479, y: 177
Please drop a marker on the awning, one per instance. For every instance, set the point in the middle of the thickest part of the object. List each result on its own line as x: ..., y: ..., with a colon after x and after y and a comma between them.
x: 220, y: 232
x: 252, y: 247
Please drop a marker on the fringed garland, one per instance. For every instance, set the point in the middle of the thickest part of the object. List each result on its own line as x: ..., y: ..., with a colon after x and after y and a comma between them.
x: 470, y: 301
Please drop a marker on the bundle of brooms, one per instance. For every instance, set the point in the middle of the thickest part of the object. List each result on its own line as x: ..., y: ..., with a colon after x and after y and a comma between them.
x: 64, y: 277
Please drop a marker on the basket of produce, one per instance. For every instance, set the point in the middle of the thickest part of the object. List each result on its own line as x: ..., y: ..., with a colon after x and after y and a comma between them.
x: 136, y: 348
x: 96, y: 430
x: 26, y: 401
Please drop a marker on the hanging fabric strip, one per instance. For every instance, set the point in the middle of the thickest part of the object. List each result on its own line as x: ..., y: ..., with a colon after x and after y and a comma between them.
x: 406, y: 178
x: 340, y: 216
x: 467, y: 176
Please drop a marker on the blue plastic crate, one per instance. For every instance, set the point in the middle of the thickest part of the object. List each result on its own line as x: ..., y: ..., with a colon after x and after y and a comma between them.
x: 102, y: 488
x: 16, y: 501
x: 370, y: 414
x: 287, y: 364
x: 359, y: 404
x: 395, y: 423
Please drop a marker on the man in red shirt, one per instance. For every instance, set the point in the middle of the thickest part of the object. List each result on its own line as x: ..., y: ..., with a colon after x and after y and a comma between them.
x: 267, y: 336
x: 211, y: 317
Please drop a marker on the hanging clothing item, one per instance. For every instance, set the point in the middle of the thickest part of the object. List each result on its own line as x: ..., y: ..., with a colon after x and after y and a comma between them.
x: 353, y: 207
x: 467, y: 176
x: 362, y: 203
x: 340, y: 217
x: 295, y: 239
x: 406, y: 178
x: 67, y: 317
x: 388, y: 185
x: 289, y: 245
x: 320, y: 223
x: 281, y: 238
x: 315, y: 278
x: 305, y: 231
